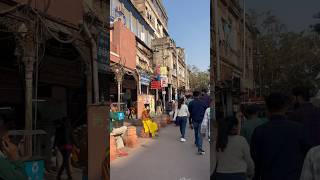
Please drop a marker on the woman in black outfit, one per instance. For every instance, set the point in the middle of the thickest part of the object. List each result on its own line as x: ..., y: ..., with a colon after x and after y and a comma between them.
x: 64, y: 142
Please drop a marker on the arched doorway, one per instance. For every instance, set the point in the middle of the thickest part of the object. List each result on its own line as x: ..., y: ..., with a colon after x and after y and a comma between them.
x: 61, y: 90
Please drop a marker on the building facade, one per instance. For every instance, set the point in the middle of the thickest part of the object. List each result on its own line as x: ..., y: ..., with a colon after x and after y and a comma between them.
x: 232, y: 51
x: 51, y: 67
x: 155, y: 14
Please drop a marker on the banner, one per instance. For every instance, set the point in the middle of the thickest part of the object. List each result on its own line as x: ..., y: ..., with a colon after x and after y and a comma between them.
x: 164, y: 71
x: 155, y: 85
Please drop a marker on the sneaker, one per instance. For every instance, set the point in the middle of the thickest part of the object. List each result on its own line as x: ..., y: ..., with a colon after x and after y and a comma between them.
x: 201, y: 152
x: 182, y: 139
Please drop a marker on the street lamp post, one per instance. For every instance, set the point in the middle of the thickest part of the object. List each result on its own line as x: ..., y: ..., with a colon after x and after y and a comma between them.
x: 119, y: 72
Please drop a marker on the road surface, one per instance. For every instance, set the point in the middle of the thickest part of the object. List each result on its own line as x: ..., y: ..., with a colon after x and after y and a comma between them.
x: 164, y: 158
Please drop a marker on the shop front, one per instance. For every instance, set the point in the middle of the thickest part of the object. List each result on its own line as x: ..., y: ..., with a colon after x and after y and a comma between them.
x: 144, y: 96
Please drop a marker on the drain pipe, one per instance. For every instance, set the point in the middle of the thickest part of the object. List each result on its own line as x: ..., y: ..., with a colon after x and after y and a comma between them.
x: 94, y: 64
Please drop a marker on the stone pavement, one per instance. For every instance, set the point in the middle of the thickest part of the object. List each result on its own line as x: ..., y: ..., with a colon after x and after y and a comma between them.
x: 164, y: 158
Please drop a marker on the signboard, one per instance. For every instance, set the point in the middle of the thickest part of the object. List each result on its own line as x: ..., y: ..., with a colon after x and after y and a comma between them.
x: 164, y: 92
x: 103, y: 47
x: 164, y: 71
x: 145, y: 79
x: 164, y: 81
x: 35, y: 169
x: 155, y: 85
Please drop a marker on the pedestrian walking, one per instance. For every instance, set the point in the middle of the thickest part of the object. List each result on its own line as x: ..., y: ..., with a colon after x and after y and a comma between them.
x: 64, y: 141
x: 306, y: 114
x: 279, y: 146
x: 251, y: 123
x: 205, y: 126
x: 205, y: 97
x: 197, y: 109
x: 311, y: 166
x: 181, y: 117
x: 232, y: 153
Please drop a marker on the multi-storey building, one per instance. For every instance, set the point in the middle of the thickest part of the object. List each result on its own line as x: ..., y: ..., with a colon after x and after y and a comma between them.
x: 231, y: 69
x: 155, y: 14
x: 131, y: 38
x: 169, y: 56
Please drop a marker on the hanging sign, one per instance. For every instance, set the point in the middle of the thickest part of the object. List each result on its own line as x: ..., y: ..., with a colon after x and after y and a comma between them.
x: 164, y: 71
x: 164, y: 81
x: 155, y: 85
x: 145, y: 79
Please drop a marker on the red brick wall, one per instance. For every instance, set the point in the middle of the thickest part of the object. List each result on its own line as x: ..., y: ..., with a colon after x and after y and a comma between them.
x: 123, y: 38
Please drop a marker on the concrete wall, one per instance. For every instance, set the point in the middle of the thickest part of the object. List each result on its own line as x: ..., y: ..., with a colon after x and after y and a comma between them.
x: 123, y: 38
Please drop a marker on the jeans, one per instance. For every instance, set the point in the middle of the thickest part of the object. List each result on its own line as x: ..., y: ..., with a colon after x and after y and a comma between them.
x: 197, y: 134
x: 183, y: 125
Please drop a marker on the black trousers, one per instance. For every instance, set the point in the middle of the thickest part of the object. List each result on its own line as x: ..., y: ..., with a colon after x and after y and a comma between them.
x: 65, y: 163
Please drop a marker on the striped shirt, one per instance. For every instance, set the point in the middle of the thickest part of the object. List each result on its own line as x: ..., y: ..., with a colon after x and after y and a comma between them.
x: 311, y: 167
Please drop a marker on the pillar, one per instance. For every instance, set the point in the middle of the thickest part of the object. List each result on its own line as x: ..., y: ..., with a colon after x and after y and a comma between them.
x: 29, y: 60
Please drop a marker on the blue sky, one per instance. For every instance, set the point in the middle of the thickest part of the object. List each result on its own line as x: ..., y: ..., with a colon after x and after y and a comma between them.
x: 189, y: 26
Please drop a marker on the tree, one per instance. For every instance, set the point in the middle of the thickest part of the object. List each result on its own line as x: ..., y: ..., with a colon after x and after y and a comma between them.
x: 198, y: 79
x: 288, y: 58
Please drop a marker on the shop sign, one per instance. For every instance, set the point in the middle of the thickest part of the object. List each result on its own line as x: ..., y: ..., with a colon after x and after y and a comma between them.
x: 163, y: 71
x: 164, y: 81
x: 145, y: 79
x: 155, y: 85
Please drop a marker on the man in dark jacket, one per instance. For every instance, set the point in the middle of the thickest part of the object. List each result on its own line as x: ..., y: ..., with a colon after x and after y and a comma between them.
x: 205, y: 97
x: 306, y: 114
x: 197, y: 108
x: 278, y: 147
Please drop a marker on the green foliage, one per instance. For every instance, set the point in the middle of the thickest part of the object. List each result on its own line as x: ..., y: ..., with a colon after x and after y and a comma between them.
x: 199, y: 79
x: 288, y: 58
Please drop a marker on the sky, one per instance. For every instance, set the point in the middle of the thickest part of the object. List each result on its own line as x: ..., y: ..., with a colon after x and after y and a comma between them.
x: 297, y: 15
x: 189, y: 27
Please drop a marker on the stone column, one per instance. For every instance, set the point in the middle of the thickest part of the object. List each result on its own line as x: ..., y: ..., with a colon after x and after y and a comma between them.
x: 29, y: 60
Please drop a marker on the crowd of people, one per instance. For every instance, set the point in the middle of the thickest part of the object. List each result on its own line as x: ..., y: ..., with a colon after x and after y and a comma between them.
x: 194, y: 108
x: 284, y: 146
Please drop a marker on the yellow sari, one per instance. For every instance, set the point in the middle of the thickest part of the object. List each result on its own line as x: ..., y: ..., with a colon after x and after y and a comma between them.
x: 148, y: 125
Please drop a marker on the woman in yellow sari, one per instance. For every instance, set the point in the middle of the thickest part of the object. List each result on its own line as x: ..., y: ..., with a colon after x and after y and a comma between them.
x: 149, y: 126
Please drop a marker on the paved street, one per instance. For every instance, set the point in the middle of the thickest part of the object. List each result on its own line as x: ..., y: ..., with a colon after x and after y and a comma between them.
x: 164, y: 158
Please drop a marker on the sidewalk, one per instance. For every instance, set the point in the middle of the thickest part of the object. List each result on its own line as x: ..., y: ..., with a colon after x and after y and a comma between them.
x: 164, y: 158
